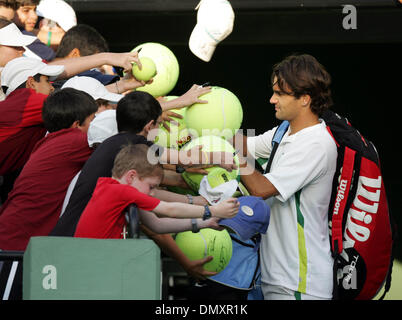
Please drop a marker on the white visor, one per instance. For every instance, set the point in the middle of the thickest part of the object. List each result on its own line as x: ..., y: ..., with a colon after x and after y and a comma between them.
x: 12, y: 36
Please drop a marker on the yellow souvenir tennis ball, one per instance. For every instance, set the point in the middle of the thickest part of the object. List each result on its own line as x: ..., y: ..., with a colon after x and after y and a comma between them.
x: 207, y: 242
x: 221, y: 116
x: 148, y: 70
x: 167, y: 68
x: 216, y: 175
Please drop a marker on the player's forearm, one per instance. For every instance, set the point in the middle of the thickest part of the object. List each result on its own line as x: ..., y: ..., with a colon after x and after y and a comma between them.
x: 239, y: 142
x: 257, y: 184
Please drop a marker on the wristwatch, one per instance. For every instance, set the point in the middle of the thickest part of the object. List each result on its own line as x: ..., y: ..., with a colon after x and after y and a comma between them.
x: 207, y: 213
x: 194, y: 226
x: 180, y: 169
x: 190, y: 198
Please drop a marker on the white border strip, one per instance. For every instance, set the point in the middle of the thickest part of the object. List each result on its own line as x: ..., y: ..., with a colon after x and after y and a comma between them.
x: 10, y: 280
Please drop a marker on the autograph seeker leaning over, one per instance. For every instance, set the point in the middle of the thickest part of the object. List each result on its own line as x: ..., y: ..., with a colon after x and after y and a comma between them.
x: 296, y: 260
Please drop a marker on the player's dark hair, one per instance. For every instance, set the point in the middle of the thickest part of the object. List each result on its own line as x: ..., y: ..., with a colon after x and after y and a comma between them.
x: 303, y: 74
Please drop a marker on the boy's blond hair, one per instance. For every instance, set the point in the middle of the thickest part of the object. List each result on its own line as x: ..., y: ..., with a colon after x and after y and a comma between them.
x: 135, y: 156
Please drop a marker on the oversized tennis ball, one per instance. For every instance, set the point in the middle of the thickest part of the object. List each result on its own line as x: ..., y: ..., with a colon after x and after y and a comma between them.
x: 216, y: 175
x: 178, y: 135
x: 207, y: 242
x: 148, y: 70
x: 167, y: 68
x: 221, y: 116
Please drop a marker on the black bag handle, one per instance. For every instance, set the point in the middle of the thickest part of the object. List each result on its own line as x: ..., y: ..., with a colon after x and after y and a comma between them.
x: 133, y: 223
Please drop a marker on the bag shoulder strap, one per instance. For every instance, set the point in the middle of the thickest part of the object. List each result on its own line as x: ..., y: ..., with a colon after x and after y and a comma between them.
x: 276, y: 140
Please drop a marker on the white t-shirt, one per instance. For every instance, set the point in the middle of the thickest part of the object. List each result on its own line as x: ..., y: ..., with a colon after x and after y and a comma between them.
x: 295, y: 251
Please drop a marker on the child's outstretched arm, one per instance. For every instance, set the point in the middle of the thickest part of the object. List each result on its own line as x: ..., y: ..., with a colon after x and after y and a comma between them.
x: 171, y: 225
x: 196, y: 157
x: 169, y: 196
x: 225, y: 209
x: 73, y: 66
x: 187, y: 99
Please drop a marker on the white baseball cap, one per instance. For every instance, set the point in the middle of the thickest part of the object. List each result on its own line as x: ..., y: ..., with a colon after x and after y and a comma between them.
x: 58, y: 11
x: 219, y: 193
x: 93, y: 87
x: 17, y: 71
x: 11, y: 36
x: 102, y: 127
x: 215, y: 19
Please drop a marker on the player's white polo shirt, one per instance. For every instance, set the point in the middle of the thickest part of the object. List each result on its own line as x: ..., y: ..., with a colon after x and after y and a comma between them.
x: 296, y: 250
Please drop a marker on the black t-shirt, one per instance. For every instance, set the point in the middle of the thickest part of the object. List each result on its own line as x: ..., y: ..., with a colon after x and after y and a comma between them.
x: 100, y: 164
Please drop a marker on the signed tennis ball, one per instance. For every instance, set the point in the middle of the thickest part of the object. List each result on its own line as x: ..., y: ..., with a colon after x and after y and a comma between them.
x: 221, y: 116
x: 207, y: 242
x: 167, y: 68
x: 216, y: 175
x: 148, y: 70
x: 178, y: 135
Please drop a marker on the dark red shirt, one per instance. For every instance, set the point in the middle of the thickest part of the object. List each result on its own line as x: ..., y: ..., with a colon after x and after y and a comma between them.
x: 21, y: 127
x: 33, y: 206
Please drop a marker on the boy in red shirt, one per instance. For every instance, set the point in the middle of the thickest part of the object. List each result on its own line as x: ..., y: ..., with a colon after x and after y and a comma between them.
x: 134, y: 179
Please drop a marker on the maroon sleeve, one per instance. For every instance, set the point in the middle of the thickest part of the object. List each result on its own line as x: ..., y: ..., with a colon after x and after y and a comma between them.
x: 80, y: 150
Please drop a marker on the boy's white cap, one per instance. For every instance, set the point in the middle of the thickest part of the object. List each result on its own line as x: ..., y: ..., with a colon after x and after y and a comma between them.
x: 17, y: 71
x: 11, y: 36
x: 215, y: 20
x: 58, y: 11
x: 102, y: 127
x: 93, y: 87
